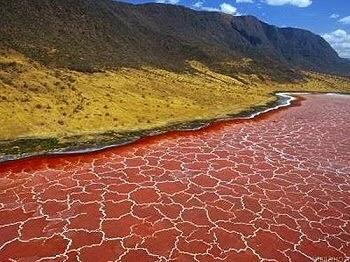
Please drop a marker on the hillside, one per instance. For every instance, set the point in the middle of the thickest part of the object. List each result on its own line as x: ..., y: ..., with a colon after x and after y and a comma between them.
x: 92, y: 35
x: 77, y: 73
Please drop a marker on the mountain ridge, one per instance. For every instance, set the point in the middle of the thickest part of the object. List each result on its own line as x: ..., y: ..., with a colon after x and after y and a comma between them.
x: 82, y: 73
x: 91, y: 35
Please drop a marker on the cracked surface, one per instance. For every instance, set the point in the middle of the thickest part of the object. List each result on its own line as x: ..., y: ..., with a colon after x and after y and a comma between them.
x: 271, y: 189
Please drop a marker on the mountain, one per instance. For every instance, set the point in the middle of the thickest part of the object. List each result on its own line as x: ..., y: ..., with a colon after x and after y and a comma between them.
x: 93, y: 35
x: 77, y: 74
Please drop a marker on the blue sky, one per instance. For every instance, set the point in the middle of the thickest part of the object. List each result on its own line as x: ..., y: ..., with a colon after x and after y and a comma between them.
x: 329, y: 18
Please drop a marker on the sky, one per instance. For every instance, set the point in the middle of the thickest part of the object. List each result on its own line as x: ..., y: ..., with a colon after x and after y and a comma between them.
x: 328, y: 18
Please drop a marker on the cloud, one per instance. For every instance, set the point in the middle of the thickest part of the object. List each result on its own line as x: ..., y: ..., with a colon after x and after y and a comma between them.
x: 245, y: 1
x: 228, y: 9
x: 223, y: 8
x: 345, y: 20
x: 334, y: 16
x: 340, y: 41
x: 173, y: 2
x: 298, y: 3
x: 200, y: 6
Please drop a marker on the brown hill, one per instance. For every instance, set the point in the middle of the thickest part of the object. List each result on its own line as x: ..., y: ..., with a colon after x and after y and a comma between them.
x: 92, y: 35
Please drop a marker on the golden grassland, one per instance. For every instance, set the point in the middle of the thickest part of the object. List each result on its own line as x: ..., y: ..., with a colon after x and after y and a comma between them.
x: 38, y: 102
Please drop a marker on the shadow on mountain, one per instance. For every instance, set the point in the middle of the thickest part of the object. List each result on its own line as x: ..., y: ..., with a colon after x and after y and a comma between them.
x: 95, y: 35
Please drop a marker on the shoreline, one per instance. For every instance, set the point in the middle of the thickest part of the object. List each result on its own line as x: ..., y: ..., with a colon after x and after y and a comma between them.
x: 284, y: 99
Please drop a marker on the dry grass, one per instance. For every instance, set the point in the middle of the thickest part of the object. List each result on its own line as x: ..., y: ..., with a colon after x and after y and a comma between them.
x: 39, y: 102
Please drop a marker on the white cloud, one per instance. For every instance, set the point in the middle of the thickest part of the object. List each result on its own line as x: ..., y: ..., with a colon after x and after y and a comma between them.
x: 298, y: 3
x: 345, y: 20
x: 334, y: 16
x: 340, y: 41
x: 200, y: 6
x: 228, y: 9
x: 223, y: 8
x: 245, y: 1
x: 173, y: 2
x: 210, y: 9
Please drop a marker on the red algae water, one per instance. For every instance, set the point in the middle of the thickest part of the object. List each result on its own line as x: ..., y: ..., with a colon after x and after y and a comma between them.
x: 275, y: 188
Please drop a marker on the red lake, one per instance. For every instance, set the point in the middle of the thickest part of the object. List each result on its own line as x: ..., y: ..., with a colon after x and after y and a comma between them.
x: 274, y: 188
